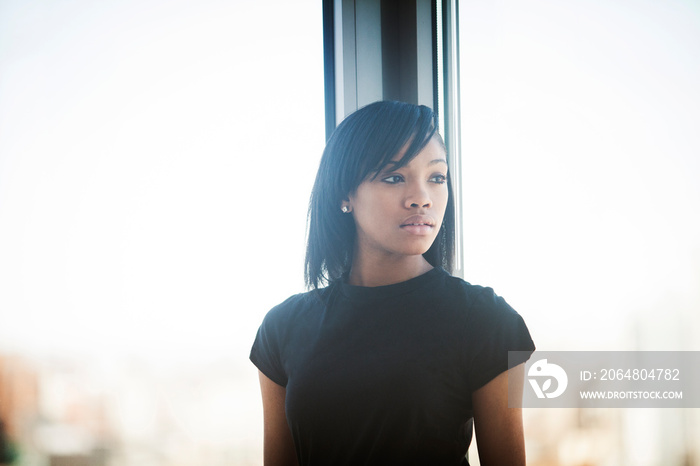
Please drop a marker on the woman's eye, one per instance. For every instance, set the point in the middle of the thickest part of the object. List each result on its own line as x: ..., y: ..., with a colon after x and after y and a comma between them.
x: 439, y: 179
x: 393, y: 179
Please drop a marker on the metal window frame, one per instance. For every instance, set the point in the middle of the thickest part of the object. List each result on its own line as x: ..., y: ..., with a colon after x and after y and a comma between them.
x: 397, y: 50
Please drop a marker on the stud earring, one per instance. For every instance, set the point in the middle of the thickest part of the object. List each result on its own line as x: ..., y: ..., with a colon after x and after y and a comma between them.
x: 345, y: 209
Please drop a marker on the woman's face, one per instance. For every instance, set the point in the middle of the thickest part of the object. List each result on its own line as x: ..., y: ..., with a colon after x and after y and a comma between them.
x: 401, y: 210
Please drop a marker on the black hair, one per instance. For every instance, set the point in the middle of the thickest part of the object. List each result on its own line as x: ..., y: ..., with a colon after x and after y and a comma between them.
x: 360, y: 147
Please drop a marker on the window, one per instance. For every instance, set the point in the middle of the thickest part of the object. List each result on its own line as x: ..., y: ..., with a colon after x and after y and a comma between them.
x: 143, y: 151
x: 580, y: 168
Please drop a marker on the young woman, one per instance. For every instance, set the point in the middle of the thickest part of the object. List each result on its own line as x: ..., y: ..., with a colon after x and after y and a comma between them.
x: 394, y: 360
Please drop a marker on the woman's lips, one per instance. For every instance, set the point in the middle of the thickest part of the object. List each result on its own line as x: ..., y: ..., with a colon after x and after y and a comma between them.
x: 418, y: 224
x: 418, y: 229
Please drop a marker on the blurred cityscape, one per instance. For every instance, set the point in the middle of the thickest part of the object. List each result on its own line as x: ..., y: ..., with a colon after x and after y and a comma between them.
x: 61, y: 412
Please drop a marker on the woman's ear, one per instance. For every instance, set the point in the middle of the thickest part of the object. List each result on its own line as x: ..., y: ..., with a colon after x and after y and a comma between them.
x: 345, y: 205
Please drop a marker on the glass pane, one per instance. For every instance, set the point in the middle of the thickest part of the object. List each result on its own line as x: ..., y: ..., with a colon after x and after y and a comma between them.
x: 156, y: 159
x: 580, y: 151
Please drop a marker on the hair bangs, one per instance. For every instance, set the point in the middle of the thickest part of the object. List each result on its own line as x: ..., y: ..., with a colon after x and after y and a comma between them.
x: 410, y: 137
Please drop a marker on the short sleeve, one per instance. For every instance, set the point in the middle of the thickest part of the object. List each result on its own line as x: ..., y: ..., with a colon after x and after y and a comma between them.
x: 266, y: 351
x: 497, y: 329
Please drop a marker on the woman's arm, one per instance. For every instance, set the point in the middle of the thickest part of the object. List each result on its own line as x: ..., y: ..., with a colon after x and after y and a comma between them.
x: 499, y: 429
x: 279, y: 446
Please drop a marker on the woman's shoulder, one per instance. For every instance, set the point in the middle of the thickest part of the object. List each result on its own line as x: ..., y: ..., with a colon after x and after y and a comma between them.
x: 477, y: 300
x: 492, y: 326
x: 297, y: 304
x: 461, y: 289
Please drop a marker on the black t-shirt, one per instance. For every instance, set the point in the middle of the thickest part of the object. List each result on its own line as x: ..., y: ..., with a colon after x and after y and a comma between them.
x: 384, y: 375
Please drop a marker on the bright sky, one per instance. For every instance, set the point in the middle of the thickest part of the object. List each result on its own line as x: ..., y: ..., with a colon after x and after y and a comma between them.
x: 582, y: 167
x: 155, y: 165
x: 156, y: 159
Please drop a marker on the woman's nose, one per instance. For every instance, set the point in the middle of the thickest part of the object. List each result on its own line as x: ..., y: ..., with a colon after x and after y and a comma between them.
x: 418, y: 197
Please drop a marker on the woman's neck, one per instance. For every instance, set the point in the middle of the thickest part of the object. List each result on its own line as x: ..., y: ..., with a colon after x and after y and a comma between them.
x: 380, y: 271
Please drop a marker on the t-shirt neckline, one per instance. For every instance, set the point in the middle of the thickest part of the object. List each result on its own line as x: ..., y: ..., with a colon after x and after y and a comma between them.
x: 374, y: 292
